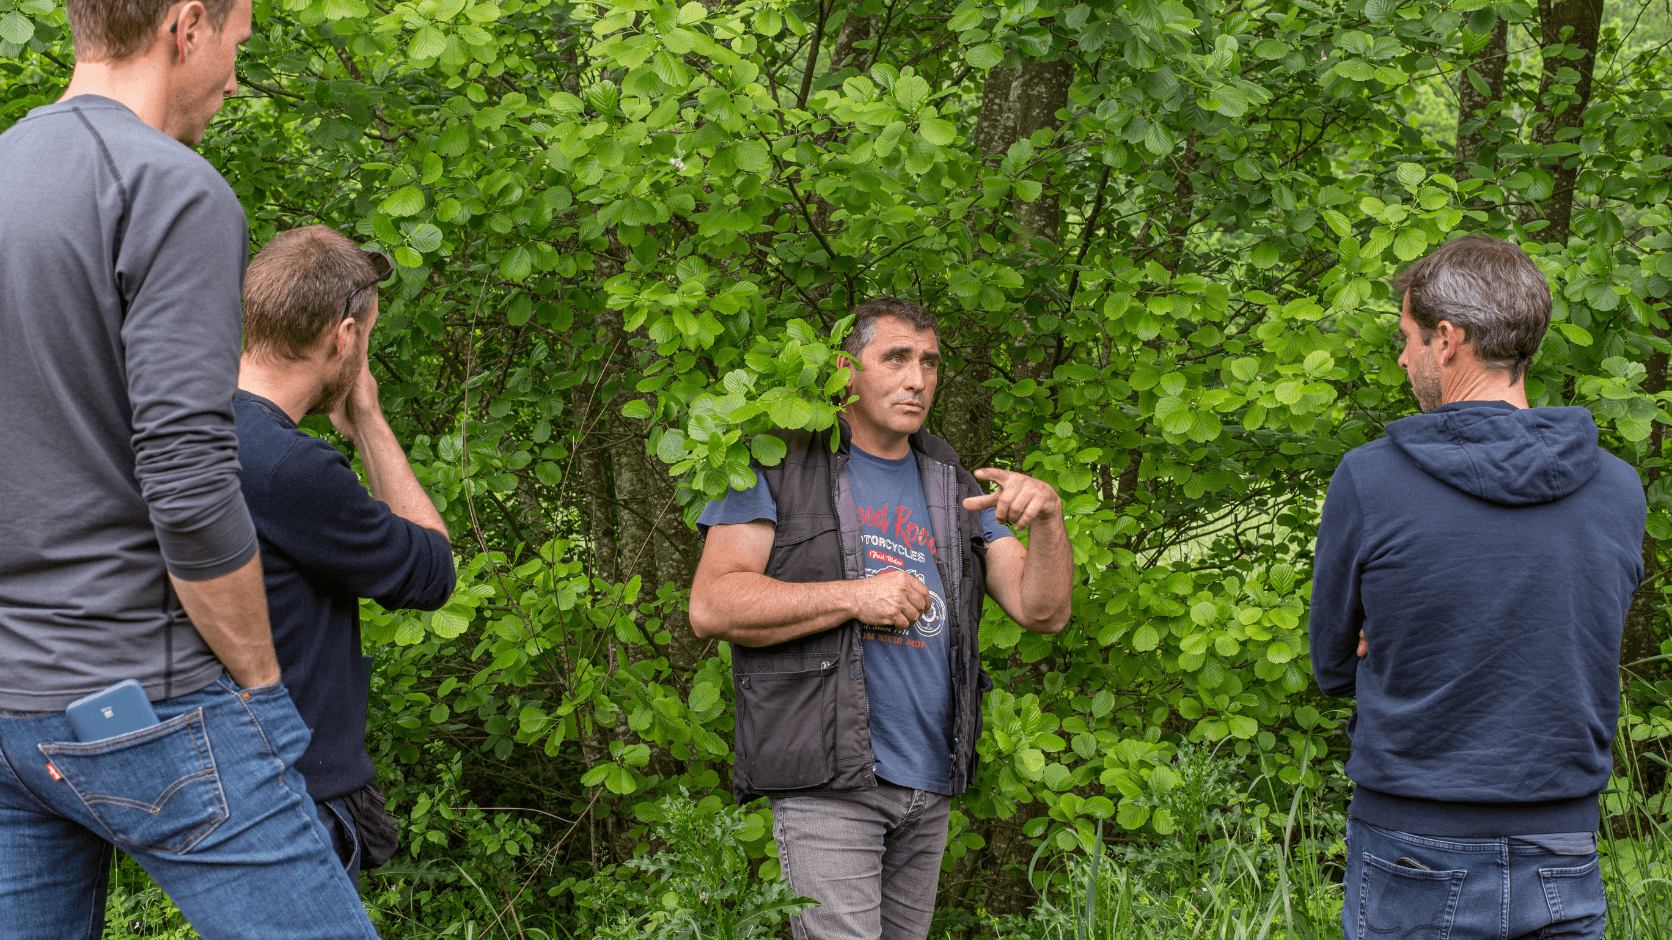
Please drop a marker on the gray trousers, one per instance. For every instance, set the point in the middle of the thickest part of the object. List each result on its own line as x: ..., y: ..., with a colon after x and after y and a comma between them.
x: 871, y: 858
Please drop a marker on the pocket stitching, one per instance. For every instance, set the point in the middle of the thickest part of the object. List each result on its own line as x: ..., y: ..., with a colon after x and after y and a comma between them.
x: 1455, y: 876
x: 192, y: 722
x: 154, y: 807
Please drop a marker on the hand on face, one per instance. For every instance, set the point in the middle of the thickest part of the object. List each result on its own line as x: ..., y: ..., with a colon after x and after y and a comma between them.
x: 1019, y: 501
x: 359, y: 405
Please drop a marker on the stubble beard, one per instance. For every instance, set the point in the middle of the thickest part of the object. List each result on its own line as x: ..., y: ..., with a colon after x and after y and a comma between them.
x: 1426, y: 386
x: 336, y: 388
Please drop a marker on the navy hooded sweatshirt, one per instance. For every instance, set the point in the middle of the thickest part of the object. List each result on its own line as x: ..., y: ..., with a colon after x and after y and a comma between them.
x: 1489, y: 554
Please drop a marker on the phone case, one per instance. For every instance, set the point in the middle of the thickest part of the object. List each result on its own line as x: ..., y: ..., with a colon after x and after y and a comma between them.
x: 111, y: 711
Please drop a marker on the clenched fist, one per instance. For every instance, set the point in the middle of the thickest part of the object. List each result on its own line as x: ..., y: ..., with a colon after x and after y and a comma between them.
x: 891, y: 599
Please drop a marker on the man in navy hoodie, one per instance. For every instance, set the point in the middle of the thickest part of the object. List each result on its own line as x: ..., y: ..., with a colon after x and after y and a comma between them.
x: 1473, y: 573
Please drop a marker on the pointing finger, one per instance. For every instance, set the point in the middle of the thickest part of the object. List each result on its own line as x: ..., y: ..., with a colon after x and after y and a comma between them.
x: 981, y: 503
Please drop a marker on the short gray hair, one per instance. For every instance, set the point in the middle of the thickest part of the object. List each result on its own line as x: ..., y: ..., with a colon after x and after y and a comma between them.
x: 1487, y: 288
x: 868, y: 313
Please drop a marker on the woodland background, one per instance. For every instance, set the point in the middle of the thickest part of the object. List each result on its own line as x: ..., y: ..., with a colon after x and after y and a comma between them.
x: 1158, y: 236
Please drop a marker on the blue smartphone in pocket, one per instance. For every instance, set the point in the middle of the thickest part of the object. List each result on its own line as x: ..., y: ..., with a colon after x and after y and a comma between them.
x: 119, y: 709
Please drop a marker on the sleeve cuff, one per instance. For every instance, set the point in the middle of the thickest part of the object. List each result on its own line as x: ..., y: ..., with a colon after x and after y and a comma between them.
x: 223, y: 544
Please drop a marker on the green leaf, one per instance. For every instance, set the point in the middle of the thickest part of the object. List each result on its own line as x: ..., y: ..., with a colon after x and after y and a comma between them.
x: 937, y: 132
x: 1145, y: 639
x: 671, y: 448
x: 1356, y: 70
x: 751, y: 155
x: 910, y: 92
x: 1575, y: 334
x: 704, y: 696
x: 425, y: 238
x: 427, y: 43
x: 408, y: 200
x: 635, y: 409
x: 984, y: 56
x: 16, y: 28
x: 516, y: 264
x: 1410, y: 244
x: 1131, y: 815
x: 769, y: 449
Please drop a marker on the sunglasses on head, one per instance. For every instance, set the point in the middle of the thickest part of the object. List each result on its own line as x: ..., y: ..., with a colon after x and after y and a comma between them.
x: 380, y: 264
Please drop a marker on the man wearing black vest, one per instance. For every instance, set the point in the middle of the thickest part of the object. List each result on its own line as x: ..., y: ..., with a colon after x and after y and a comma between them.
x: 850, y: 585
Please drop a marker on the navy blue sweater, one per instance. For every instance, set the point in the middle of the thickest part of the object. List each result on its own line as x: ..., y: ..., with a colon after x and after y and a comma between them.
x: 1489, y: 554
x: 326, y: 543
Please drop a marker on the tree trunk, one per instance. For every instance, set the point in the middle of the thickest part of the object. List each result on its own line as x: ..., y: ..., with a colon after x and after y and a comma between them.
x: 1473, y: 115
x: 1638, y: 639
x: 1040, y: 91
x: 995, y: 126
x: 966, y: 413
x: 1564, y: 110
x: 855, y: 29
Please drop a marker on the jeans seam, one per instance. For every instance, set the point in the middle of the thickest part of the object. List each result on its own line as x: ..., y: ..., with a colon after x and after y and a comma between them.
x: 6, y: 762
x: 259, y: 730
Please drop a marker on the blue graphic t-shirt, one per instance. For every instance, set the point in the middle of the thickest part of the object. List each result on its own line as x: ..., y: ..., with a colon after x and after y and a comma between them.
x: 908, y: 673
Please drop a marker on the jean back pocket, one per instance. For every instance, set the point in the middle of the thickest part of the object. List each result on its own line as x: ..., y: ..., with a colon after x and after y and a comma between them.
x: 155, y: 788
x: 1401, y: 903
x: 786, y: 727
x: 1575, y: 894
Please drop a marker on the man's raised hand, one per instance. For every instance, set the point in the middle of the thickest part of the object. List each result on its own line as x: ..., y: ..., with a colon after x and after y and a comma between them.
x: 1019, y: 501
x: 891, y: 599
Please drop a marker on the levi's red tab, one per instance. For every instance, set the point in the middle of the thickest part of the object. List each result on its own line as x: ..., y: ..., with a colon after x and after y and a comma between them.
x: 53, y: 771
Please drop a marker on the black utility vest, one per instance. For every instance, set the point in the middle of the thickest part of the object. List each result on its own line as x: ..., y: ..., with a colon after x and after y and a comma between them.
x: 803, y: 715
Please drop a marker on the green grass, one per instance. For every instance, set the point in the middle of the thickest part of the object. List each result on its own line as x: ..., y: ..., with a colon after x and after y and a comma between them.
x: 1252, y: 878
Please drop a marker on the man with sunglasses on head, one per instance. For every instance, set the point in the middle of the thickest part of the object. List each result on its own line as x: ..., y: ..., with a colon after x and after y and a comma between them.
x: 310, y: 302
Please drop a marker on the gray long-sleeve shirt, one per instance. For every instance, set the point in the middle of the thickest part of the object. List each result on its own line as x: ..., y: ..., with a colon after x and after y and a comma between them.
x: 122, y: 258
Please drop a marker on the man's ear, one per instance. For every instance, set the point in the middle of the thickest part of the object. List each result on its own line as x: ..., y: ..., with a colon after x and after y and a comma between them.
x: 1450, y: 341
x: 189, y: 28
x: 343, y: 338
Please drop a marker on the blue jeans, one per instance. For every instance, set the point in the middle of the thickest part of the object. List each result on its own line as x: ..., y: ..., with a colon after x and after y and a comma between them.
x: 208, y: 801
x: 1414, y: 887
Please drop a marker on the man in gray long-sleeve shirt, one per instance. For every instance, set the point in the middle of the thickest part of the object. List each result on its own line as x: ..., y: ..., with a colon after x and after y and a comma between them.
x: 126, y: 550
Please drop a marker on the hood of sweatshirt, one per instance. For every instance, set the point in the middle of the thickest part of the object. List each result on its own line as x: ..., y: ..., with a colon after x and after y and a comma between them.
x: 1500, y: 453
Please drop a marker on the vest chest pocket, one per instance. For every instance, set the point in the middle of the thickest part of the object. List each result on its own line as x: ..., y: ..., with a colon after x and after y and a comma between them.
x: 786, y: 727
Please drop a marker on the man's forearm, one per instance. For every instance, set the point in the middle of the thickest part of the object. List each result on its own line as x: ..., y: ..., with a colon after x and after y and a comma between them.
x: 230, y: 613
x: 752, y: 609
x: 390, y: 478
x: 1048, y: 578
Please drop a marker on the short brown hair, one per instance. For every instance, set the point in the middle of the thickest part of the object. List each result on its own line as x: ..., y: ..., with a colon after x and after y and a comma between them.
x: 1487, y: 288
x: 114, y: 30
x: 296, y: 286
x: 868, y: 313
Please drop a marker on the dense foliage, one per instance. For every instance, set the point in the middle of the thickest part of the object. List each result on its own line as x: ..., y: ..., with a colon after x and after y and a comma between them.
x: 1157, y: 233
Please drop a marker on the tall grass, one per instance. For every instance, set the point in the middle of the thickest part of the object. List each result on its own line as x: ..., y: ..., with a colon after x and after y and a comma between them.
x: 1238, y: 876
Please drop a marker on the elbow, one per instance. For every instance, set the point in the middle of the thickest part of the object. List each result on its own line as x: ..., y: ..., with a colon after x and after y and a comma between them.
x: 1051, y: 621
x: 700, y: 613
x: 1048, y: 625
